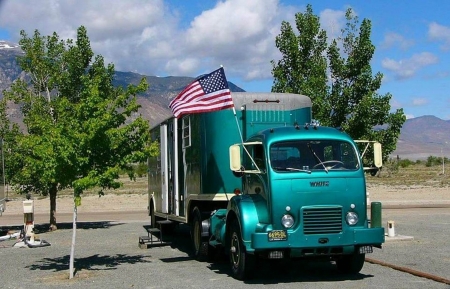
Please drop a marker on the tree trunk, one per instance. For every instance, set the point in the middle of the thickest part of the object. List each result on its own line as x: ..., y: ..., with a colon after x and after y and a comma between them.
x: 53, y: 192
x: 72, y: 247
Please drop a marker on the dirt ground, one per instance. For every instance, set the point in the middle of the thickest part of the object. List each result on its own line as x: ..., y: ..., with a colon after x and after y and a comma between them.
x: 138, y: 202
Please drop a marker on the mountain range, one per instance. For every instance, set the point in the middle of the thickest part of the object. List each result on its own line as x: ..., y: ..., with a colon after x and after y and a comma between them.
x: 420, y: 137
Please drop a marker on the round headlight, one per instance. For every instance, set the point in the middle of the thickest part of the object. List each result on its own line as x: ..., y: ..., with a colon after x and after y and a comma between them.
x: 287, y: 221
x: 352, y: 218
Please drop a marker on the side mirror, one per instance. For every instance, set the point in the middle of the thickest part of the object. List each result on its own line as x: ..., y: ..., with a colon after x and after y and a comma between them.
x: 235, y: 158
x: 377, y: 155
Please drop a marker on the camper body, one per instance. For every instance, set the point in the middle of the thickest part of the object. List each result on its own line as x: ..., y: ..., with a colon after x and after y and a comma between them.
x: 264, y: 184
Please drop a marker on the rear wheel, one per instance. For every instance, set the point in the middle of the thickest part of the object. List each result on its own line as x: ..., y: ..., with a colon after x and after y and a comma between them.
x: 350, y: 264
x: 152, y: 216
x: 242, y: 264
x: 200, y: 245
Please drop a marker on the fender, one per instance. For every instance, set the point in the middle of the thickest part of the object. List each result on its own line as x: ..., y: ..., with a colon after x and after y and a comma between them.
x: 249, y: 210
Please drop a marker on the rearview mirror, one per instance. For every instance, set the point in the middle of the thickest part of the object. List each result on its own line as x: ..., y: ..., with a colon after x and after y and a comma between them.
x: 377, y: 155
x: 235, y: 158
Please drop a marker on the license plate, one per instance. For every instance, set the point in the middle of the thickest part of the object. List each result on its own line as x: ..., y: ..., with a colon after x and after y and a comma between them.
x: 277, y: 235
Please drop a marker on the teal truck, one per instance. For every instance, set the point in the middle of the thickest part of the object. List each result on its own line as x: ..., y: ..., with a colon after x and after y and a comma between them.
x: 262, y: 181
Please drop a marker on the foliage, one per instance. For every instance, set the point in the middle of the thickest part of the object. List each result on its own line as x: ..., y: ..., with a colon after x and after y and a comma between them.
x: 136, y: 170
x: 80, y: 129
x: 405, y: 163
x: 302, y: 68
x: 350, y: 99
x: 435, y: 161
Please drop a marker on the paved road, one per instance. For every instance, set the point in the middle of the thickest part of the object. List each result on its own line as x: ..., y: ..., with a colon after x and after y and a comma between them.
x: 107, y: 256
x: 134, y: 216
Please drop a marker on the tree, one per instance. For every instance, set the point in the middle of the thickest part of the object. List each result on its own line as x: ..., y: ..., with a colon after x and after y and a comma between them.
x: 302, y: 68
x: 355, y: 104
x: 350, y: 99
x: 80, y: 129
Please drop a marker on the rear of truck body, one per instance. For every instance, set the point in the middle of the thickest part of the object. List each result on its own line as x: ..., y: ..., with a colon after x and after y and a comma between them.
x: 296, y: 190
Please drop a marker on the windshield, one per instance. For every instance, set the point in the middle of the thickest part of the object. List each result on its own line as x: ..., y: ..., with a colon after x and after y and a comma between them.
x: 311, y: 155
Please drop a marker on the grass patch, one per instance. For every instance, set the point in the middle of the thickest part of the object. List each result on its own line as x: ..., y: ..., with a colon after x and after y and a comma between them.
x: 414, y: 175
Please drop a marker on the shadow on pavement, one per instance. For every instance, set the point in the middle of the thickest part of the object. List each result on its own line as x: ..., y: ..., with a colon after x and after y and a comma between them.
x: 44, y: 228
x: 266, y: 271
x: 92, y: 263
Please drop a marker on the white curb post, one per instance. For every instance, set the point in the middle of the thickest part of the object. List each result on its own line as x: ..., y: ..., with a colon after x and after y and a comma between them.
x: 391, y: 228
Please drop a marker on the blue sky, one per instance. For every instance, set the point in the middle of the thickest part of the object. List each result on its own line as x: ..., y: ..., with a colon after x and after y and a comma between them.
x: 189, y: 38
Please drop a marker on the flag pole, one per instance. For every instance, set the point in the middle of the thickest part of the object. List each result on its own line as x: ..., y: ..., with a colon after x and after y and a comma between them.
x: 237, y: 124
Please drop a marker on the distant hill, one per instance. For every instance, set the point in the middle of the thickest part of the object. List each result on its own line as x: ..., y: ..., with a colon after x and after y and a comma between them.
x: 420, y: 137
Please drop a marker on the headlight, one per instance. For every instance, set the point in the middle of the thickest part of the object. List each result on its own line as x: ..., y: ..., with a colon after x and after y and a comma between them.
x: 351, y: 218
x: 287, y: 221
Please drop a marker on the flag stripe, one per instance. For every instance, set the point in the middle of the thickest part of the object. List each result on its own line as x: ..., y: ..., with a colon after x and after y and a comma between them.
x: 219, y: 100
x: 208, y: 93
x: 192, y: 89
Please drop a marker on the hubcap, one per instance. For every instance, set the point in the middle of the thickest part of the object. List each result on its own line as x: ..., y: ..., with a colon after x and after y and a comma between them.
x: 235, y: 250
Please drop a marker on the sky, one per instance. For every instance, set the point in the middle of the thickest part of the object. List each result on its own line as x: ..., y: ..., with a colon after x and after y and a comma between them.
x: 190, y: 38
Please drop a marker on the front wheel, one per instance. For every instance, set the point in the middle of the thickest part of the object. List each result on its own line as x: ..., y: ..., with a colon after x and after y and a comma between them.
x: 242, y: 264
x: 350, y: 264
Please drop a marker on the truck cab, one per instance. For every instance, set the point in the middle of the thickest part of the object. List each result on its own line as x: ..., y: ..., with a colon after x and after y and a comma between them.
x: 303, y: 195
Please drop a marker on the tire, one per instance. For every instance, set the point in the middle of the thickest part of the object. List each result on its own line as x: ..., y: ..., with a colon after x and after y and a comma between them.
x: 153, y: 218
x: 350, y: 264
x: 242, y: 264
x: 200, y: 245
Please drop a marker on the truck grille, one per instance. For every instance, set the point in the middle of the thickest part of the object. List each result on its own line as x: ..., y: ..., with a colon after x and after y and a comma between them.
x: 322, y: 221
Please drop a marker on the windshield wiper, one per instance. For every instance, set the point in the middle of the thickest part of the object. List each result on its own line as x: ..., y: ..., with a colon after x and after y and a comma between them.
x: 314, y: 154
x: 298, y: 170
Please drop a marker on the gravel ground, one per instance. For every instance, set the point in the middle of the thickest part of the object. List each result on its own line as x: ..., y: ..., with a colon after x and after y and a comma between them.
x: 138, y: 202
x: 429, y: 251
x: 107, y: 256
x: 107, y: 253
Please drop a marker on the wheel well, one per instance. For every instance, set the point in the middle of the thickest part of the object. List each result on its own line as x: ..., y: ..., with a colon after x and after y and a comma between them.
x: 151, y: 206
x: 231, y: 217
x: 205, y: 207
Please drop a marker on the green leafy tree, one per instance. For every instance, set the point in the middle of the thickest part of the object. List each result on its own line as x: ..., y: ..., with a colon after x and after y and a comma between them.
x: 355, y: 104
x: 302, y: 67
x: 350, y: 99
x: 80, y: 129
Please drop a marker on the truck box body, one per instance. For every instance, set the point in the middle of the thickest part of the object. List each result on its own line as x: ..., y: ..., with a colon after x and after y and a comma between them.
x: 194, y: 158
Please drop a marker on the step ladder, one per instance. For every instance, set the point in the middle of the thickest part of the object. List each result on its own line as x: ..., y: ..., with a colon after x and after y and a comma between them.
x: 154, y: 236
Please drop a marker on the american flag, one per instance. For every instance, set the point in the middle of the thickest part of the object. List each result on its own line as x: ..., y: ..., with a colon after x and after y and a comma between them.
x: 207, y: 93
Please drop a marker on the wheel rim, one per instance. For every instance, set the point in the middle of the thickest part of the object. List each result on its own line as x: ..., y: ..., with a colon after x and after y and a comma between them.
x: 235, y: 250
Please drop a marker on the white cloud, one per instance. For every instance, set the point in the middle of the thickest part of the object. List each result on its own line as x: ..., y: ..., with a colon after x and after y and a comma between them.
x: 392, y: 39
x: 144, y: 36
x: 332, y: 21
x: 395, y: 104
x: 237, y: 34
x: 407, y: 68
x: 440, y: 33
x: 419, y: 101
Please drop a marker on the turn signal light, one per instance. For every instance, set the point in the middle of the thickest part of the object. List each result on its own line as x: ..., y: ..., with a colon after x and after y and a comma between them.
x: 237, y: 192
